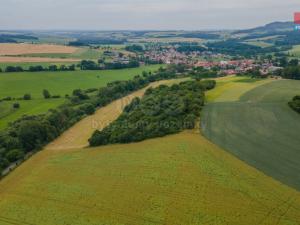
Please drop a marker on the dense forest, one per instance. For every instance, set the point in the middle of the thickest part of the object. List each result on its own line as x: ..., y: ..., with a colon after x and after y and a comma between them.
x: 163, y: 110
x: 237, y: 48
x: 295, y: 103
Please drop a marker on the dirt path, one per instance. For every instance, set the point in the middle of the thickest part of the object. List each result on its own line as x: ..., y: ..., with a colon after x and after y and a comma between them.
x: 78, y: 135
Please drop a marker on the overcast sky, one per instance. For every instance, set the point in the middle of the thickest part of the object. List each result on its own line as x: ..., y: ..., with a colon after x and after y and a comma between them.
x: 143, y: 14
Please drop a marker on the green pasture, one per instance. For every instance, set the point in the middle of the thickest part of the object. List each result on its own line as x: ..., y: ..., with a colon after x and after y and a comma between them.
x: 15, y: 85
x: 257, y: 126
x: 62, y: 83
x: 33, y: 107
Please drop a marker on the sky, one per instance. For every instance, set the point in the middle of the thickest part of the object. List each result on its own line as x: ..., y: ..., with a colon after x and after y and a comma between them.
x: 143, y: 14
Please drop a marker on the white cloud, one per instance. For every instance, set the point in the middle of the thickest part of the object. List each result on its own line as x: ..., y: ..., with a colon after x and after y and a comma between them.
x: 143, y: 14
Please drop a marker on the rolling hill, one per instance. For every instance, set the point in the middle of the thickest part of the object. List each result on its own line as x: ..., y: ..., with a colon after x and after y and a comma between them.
x: 178, y: 179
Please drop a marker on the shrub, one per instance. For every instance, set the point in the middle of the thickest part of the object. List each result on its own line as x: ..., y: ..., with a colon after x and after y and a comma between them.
x: 27, y: 97
x: 16, y: 105
x: 88, y: 108
x: 14, y: 155
x: 46, y: 94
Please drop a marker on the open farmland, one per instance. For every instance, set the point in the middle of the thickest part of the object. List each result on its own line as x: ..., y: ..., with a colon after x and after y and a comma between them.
x: 179, y: 179
x: 21, y: 49
x: 16, y: 84
x: 257, y: 126
x: 58, y: 83
x: 295, y: 51
x: 15, y: 53
x: 32, y: 107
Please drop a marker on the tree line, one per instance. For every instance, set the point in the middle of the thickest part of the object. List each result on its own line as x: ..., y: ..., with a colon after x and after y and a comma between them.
x: 83, y: 65
x: 163, y: 110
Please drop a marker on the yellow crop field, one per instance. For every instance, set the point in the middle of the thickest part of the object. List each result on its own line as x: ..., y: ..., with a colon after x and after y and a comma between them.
x: 179, y: 179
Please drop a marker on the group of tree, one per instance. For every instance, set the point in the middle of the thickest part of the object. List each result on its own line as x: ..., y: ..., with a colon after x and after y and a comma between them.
x: 134, y: 48
x: 100, y: 65
x: 290, y: 69
x: 188, y: 48
x: 163, y: 110
x: 295, y: 103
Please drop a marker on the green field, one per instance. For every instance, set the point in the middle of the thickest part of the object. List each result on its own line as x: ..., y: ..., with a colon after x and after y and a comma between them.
x: 295, y: 51
x: 58, y: 83
x: 82, y: 53
x: 180, y: 179
x: 17, y: 84
x: 257, y: 126
x: 33, y: 107
x: 259, y: 43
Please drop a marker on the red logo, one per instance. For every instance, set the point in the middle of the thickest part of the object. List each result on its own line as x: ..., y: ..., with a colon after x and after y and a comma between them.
x: 297, y: 18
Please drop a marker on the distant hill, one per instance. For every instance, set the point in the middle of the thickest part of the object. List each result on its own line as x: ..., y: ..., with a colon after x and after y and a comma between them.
x: 269, y: 28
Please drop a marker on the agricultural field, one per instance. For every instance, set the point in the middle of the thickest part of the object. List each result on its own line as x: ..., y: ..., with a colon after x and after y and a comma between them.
x: 259, y: 43
x: 257, y: 125
x: 20, y: 53
x: 295, y: 51
x: 57, y: 83
x: 34, y: 53
x: 21, y: 49
x: 33, y: 107
x: 61, y: 83
x: 179, y: 179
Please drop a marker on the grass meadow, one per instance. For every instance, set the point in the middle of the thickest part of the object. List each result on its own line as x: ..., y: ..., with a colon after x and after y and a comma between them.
x: 58, y: 83
x: 257, y: 126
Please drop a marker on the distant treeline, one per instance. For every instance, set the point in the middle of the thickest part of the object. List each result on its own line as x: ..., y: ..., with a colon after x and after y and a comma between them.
x: 187, y: 48
x: 234, y: 47
x: 83, y: 65
x: 10, y: 38
x: 295, y: 103
x: 39, y: 68
x: 31, y: 133
x: 163, y: 110
x: 97, y: 41
x: 201, y: 35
